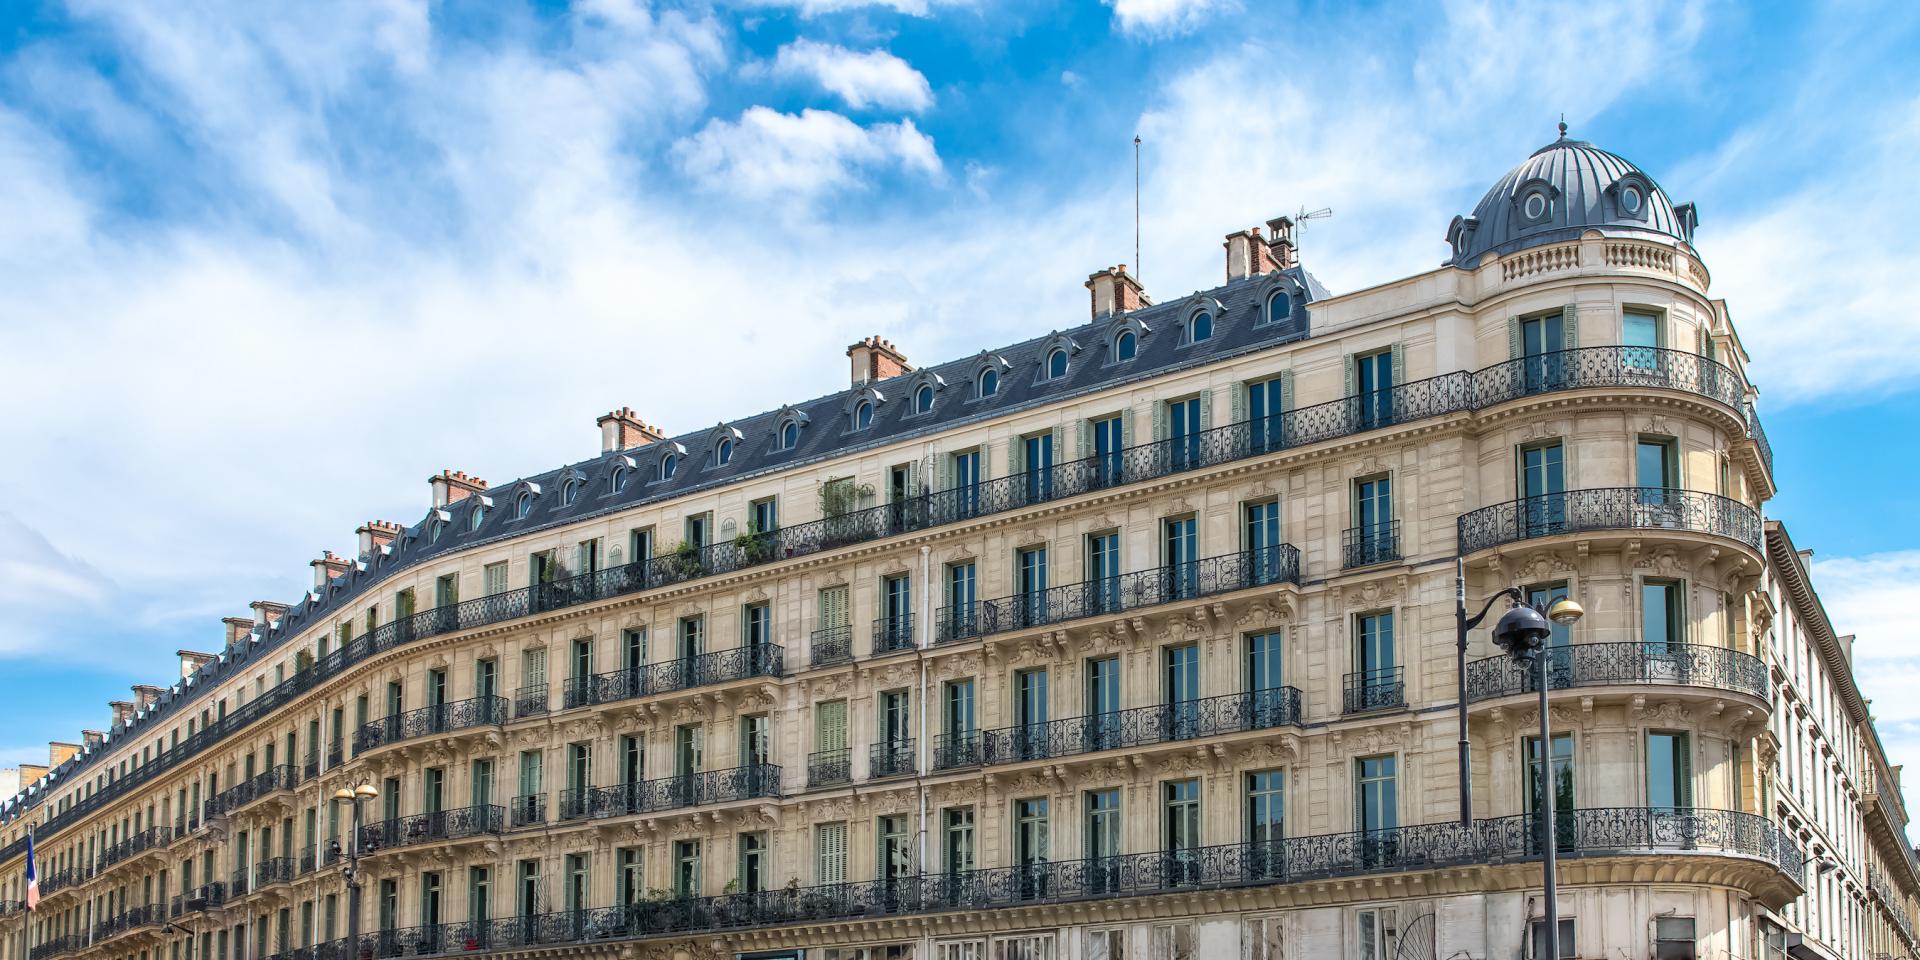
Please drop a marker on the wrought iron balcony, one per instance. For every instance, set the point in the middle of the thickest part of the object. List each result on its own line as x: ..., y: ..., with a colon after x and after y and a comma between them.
x: 431, y: 721
x: 719, y: 666
x: 832, y: 645
x: 750, y: 782
x: 890, y: 758
x: 310, y: 768
x: 1381, y: 689
x: 239, y: 882
x: 336, y: 755
x: 58, y: 946
x: 827, y: 768
x: 1136, y: 727
x: 530, y: 701
x: 429, y: 827
x: 1128, y: 591
x: 273, y: 870
x: 1609, y: 664
x: 1370, y: 544
x: 1609, y: 508
x: 131, y: 919
x: 207, y: 896
x: 268, y: 781
x: 152, y: 838
x: 528, y: 810
x: 892, y: 633
x: 59, y: 880
x: 308, y: 862
x: 1603, y: 832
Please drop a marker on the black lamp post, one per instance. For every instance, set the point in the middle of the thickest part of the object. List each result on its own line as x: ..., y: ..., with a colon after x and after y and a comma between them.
x: 1523, y: 632
x: 1462, y: 625
x: 351, y: 872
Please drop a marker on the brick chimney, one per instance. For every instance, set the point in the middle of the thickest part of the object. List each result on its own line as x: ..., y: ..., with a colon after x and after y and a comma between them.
x: 623, y: 429
x: 453, y: 486
x: 93, y: 738
x: 237, y: 629
x: 329, y: 565
x: 146, y: 694
x: 1280, y: 243
x: 191, y: 660
x: 375, y: 534
x: 875, y: 359
x: 267, y: 611
x: 1249, y: 255
x: 60, y: 751
x: 1115, y: 292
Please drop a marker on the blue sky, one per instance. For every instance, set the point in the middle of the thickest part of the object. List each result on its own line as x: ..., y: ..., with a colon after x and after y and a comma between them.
x: 263, y: 271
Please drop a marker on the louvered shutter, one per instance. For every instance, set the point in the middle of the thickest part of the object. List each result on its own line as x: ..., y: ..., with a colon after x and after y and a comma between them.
x: 946, y: 472
x: 1286, y: 389
x: 1399, y: 364
x: 913, y: 479
x: 1352, y: 378
x: 1016, y: 459
x: 831, y: 721
x: 831, y: 845
x: 1237, y: 402
x: 1060, y: 445
x: 1570, y: 326
x: 1126, y: 427
x: 1206, y: 410
x: 834, y: 608
x: 1514, y: 349
x: 1086, y: 440
x: 533, y: 665
x: 1159, y: 420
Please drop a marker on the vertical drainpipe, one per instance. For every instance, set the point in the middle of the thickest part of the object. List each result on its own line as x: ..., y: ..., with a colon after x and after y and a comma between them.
x: 921, y: 760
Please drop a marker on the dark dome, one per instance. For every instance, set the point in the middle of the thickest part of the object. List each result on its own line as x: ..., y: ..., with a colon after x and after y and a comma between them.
x: 1566, y: 188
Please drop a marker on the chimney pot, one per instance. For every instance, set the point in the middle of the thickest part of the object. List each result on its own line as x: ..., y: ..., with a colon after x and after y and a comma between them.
x: 326, y: 568
x: 375, y: 534
x: 452, y: 486
x: 191, y: 660
x: 1114, y: 292
x: 623, y: 429
x: 875, y: 359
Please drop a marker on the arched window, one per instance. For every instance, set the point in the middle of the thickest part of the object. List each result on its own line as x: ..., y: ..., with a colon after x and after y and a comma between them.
x: 618, y: 480
x: 1279, y: 306
x: 1125, y: 346
x: 789, y: 435
x: 863, y: 415
x: 923, y: 398
x: 569, y: 492
x: 723, y: 452
x: 523, y: 505
x: 1056, y: 364
x: 435, y: 529
x: 1200, y: 327
x: 668, y: 464
x: 989, y: 382
x: 477, y: 517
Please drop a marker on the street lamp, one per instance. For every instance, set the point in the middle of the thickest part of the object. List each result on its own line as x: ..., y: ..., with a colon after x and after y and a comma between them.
x: 351, y: 872
x: 1523, y: 632
x: 1462, y: 625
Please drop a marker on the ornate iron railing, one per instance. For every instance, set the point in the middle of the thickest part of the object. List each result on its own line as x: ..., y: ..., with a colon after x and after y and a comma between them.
x: 206, y: 896
x: 1601, y: 832
x: 274, y: 778
x: 431, y: 721
x: 429, y: 827
x: 1459, y: 391
x: 528, y: 810
x: 718, y: 666
x: 1759, y: 436
x: 832, y: 645
x: 892, y: 633
x: 59, y: 880
x: 131, y: 919
x: 1605, y: 664
x: 152, y: 838
x: 239, y: 882
x: 829, y: 767
x: 336, y: 755
x: 1128, y: 591
x: 273, y: 870
x: 1371, y: 544
x: 309, y: 861
x: 1380, y: 689
x: 310, y: 767
x: 749, y: 782
x: 1135, y: 727
x: 1891, y: 903
x: 530, y: 701
x: 890, y: 758
x: 57, y: 946
x: 1609, y: 508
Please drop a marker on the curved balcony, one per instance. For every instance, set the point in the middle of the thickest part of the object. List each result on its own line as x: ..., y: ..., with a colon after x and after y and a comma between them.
x: 750, y: 782
x: 1589, y: 833
x: 1609, y: 509
x: 719, y: 666
x: 1136, y: 727
x: 1612, y: 367
x: 1623, y: 664
x: 274, y: 870
x: 149, y: 915
x: 152, y: 838
x: 268, y: 781
x: 430, y: 827
x: 431, y: 721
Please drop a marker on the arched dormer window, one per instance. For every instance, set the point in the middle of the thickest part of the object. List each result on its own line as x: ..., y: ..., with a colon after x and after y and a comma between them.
x: 723, y: 452
x: 923, y: 388
x: 436, y: 526
x: 617, y: 480
x: 721, y: 445
x: 478, y: 515
x: 523, y: 505
x: 987, y: 384
x: 863, y: 415
x: 788, y: 423
x: 861, y: 407
x: 1056, y: 363
x: 1126, y: 346
x: 789, y: 435
x: 569, y: 491
x: 1200, y: 327
x: 1279, y: 305
x: 669, y: 465
x: 923, y: 399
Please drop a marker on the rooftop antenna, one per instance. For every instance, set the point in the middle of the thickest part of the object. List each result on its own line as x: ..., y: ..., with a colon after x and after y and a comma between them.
x: 1300, y: 222
x: 1136, y: 207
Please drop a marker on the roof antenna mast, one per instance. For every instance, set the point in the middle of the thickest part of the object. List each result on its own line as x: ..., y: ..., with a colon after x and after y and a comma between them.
x: 1300, y: 222
x: 1136, y: 206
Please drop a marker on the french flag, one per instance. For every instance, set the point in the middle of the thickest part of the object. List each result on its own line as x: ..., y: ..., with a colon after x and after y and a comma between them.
x: 33, y: 879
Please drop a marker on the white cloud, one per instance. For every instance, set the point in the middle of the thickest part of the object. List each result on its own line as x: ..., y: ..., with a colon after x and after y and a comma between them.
x: 767, y: 154
x: 874, y: 78
x: 815, y: 8
x: 1872, y: 597
x: 1160, y: 18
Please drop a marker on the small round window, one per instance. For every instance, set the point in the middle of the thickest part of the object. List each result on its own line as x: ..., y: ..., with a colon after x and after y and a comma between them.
x: 1535, y: 206
x: 1630, y: 199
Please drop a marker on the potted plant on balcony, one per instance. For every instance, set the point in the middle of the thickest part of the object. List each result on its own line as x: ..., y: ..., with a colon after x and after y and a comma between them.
x: 682, y: 561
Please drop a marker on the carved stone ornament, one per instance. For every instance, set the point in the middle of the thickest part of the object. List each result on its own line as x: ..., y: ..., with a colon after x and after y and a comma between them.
x: 1266, y: 611
x: 1666, y: 711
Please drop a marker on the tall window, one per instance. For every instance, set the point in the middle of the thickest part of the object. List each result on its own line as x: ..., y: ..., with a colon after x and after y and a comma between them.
x: 1542, y: 340
x: 1180, y: 816
x: 896, y: 611
x: 957, y: 711
x: 756, y: 624
x: 1260, y: 537
x: 1377, y: 677
x: 830, y: 853
x: 1109, y: 443
x: 1180, y: 552
x: 1376, y: 797
x: 1266, y: 807
x: 962, y: 586
x: 1543, y: 487
x: 1655, y: 469
x: 1180, y: 689
x: 1640, y: 334
x: 1103, y: 827
x: 1056, y: 364
x: 956, y: 828
x: 1661, y: 623
x: 893, y: 855
x: 1103, y: 572
x: 686, y: 868
x: 1266, y: 414
x: 1266, y: 677
x: 966, y: 483
x: 631, y: 863
x: 1032, y: 565
x: 1032, y: 842
x: 1125, y: 346
x: 1183, y: 433
x: 1669, y: 770
x: 1373, y: 386
x: 1200, y: 327
x: 763, y: 516
x: 752, y: 876
x: 1030, y: 712
x: 1372, y: 540
x: 1561, y: 781
x: 1037, y: 454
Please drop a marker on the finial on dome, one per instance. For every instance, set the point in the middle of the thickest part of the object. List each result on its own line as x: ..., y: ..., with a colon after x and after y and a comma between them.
x: 1563, y: 126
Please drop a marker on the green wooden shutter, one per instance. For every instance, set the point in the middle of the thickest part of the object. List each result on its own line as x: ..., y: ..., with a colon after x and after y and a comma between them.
x: 831, y: 849
x: 1399, y: 364
x: 1159, y: 420
x: 1237, y: 402
x: 1126, y: 427
x: 1352, y: 378
x: 1206, y: 410
x: 1286, y: 389
x: 946, y: 472
x: 1570, y: 326
x: 1016, y: 450
x: 1059, y: 445
x: 1514, y: 350
x: 1085, y: 449
x: 831, y: 729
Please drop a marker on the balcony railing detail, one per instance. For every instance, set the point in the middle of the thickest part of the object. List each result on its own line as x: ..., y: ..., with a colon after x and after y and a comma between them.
x: 1380, y: 689
x: 718, y: 666
x: 891, y: 758
x: 1607, y: 664
x: 1370, y: 544
x: 892, y: 633
x: 273, y: 870
x: 275, y: 778
x: 1135, y: 727
x: 1127, y: 591
x: 833, y: 645
x: 1609, y: 508
x: 152, y: 838
x: 530, y: 701
x: 526, y: 811
x: 431, y: 721
x: 750, y: 782
x: 826, y: 768
x: 1600, y: 832
x: 429, y: 827
x: 132, y: 919
x: 1459, y: 391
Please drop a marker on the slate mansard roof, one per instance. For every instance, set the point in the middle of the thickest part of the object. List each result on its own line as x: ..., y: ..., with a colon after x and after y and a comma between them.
x: 826, y: 433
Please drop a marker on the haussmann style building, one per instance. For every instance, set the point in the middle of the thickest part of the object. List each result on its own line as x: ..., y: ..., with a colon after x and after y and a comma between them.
x: 1132, y: 641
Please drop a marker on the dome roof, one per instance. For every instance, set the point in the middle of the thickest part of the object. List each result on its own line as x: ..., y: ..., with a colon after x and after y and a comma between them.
x: 1564, y: 189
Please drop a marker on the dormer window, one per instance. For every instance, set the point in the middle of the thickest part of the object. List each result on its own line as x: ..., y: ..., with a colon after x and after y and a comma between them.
x: 1279, y: 306
x: 1632, y: 194
x: 863, y: 415
x: 1125, y: 346
x: 1057, y: 363
x: 1534, y: 202
x: 923, y: 399
x: 1631, y: 199
x: 669, y: 464
x: 723, y: 452
x: 789, y: 435
x: 523, y: 505
x: 1200, y: 327
x: 569, y: 492
x: 618, y: 480
x: 1534, y: 207
x: 477, y: 517
x: 988, y: 383
x: 435, y: 529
